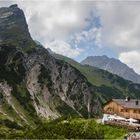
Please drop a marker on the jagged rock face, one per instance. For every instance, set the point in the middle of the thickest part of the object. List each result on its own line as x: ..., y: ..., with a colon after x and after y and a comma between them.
x: 13, y: 26
x: 58, y: 79
x: 114, y: 66
x: 39, y: 84
x: 53, y: 87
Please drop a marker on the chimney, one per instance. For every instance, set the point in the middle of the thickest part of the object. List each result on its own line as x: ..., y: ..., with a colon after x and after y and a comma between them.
x: 127, y: 99
x: 137, y: 102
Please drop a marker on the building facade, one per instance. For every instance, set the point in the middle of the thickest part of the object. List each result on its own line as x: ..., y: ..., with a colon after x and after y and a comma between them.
x: 128, y: 108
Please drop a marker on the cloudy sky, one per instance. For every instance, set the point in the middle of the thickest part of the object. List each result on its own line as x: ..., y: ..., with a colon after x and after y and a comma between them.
x: 81, y: 28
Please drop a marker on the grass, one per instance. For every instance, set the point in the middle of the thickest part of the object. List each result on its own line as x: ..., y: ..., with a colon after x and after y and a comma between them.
x: 22, y: 111
x: 77, y: 128
x: 10, y: 113
x: 73, y: 128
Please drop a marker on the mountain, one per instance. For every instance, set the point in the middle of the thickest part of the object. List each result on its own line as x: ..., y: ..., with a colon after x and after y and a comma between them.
x: 33, y: 84
x: 108, y: 85
x: 36, y: 85
x: 112, y: 65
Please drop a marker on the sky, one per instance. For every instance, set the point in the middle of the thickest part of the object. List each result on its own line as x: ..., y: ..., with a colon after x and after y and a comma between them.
x: 81, y: 28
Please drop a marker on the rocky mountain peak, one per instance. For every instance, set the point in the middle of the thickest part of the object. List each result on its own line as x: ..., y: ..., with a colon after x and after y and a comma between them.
x: 14, y: 6
x: 13, y: 26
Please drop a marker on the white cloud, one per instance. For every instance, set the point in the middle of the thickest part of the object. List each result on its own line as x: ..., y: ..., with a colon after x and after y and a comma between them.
x: 55, y: 19
x: 61, y: 47
x: 131, y: 59
x: 120, y: 21
x: 92, y: 35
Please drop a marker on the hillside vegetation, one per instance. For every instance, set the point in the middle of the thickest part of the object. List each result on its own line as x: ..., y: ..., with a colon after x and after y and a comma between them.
x: 65, y: 128
x: 108, y: 85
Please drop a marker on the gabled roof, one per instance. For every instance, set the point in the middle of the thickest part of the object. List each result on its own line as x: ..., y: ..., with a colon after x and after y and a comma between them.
x: 128, y: 104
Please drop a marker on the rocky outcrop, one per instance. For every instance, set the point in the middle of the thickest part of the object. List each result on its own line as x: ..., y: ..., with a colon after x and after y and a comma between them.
x: 13, y: 27
x: 57, y: 79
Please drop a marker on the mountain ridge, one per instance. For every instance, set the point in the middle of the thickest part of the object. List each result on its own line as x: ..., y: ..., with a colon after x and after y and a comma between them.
x: 108, y: 85
x: 112, y: 65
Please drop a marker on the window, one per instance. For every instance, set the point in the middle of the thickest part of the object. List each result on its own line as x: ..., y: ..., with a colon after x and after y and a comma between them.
x: 126, y: 110
x: 109, y: 109
x: 134, y: 111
